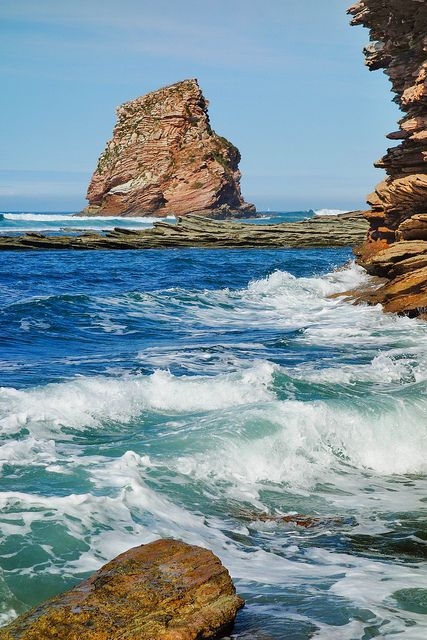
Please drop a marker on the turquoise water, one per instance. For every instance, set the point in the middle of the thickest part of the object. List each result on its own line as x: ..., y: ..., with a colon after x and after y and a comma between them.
x: 188, y: 393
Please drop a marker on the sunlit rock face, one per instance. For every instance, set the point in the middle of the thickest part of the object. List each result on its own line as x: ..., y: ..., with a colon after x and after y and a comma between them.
x: 164, y: 159
x: 398, y: 34
x: 165, y: 590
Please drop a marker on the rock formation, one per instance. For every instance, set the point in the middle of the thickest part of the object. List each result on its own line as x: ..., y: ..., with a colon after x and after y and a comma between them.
x: 166, y: 590
x: 343, y: 230
x: 164, y: 159
x: 396, y: 247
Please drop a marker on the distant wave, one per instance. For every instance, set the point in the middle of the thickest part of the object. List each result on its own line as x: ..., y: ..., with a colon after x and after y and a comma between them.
x: 54, y: 217
x: 39, y: 217
x: 329, y: 212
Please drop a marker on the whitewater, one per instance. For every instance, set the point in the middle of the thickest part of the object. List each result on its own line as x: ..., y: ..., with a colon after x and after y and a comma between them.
x: 201, y: 395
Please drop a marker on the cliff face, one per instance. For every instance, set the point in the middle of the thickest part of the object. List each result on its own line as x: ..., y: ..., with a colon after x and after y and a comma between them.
x: 165, y: 159
x: 398, y: 34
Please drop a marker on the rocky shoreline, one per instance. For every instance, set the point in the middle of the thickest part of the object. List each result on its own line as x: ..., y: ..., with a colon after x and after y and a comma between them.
x: 396, y: 244
x: 196, y: 231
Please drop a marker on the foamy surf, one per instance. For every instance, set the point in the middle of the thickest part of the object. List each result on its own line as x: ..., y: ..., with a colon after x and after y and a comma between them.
x: 68, y: 222
x: 63, y: 217
x: 178, y: 399
x: 329, y: 212
x: 90, y: 402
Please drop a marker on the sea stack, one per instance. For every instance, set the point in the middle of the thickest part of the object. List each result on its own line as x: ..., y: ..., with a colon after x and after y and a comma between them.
x: 164, y: 159
x: 396, y: 247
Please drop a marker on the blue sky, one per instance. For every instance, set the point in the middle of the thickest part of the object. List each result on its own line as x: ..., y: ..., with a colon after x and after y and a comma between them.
x: 285, y: 79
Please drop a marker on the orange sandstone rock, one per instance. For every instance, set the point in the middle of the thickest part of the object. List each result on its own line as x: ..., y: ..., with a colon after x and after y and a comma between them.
x: 165, y: 590
x: 165, y: 159
x: 399, y: 204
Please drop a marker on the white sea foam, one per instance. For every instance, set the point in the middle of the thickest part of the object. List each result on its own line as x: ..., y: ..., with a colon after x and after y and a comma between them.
x: 63, y: 217
x: 370, y: 585
x: 92, y: 401
x: 329, y: 212
x: 29, y: 451
x: 281, y: 285
x: 283, y: 300
x: 385, y: 368
x: 314, y: 442
x: 279, y: 300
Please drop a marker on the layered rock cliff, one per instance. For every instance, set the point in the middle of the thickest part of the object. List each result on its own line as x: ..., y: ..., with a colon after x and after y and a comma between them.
x: 165, y: 159
x: 396, y: 247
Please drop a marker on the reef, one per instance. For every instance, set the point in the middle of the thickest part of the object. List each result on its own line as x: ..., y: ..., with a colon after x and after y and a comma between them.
x: 396, y: 245
x: 343, y: 230
x: 165, y: 590
x: 165, y: 159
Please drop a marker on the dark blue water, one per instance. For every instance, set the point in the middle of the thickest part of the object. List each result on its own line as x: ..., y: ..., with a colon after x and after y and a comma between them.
x: 191, y: 393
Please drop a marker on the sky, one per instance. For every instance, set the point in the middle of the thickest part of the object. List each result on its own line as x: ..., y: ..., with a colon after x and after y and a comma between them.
x: 285, y: 80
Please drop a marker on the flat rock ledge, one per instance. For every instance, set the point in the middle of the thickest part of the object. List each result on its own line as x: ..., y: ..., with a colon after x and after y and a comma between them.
x: 197, y: 231
x: 165, y: 590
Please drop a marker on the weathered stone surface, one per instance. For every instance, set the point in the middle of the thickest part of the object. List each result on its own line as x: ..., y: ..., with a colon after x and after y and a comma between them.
x: 400, y: 198
x: 399, y: 204
x: 414, y: 228
x: 166, y: 590
x: 406, y: 294
x: 196, y: 231
x: 165, y: 159
x: 407, y: 265
x: 382, y: 262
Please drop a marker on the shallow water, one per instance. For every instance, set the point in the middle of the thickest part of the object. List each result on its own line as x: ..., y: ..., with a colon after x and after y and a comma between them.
x: 188, y: 393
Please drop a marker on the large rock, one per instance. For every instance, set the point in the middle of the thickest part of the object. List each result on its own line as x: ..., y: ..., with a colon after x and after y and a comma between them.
x: 399, y: 203
x: 164, y: 159
x: 165, y: 590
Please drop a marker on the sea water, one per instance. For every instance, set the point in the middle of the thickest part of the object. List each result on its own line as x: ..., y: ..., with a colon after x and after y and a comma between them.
x: 195, y: 393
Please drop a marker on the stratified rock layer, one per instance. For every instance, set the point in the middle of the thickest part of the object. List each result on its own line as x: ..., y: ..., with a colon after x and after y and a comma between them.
x: 164, y: 159
x: 166, y: 590
x: 398, y: 32
x: 343, y: 230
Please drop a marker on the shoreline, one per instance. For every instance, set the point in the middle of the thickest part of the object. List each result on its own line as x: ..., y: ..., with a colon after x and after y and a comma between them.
x: 347, y: 229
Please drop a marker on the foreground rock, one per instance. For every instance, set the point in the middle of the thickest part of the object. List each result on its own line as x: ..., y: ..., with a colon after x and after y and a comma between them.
x: 165, y: 159
x: 166, y: 590
x: 195, y: 231
x: 397, y: 240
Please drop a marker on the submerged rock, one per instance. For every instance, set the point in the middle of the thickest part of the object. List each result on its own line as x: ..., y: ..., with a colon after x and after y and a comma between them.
x: 399, y: 204
x: 165, y: 590
x: 165, y: 159
x: 298, y: 519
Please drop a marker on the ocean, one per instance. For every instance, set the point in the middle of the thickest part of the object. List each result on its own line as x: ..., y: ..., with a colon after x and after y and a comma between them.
x: 203, y: 395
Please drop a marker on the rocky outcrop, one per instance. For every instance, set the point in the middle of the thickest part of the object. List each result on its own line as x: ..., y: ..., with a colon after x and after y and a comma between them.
x: 344, y: 230
x: 399, y: 204
x: 166, y: 590
x: 164, y: 159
